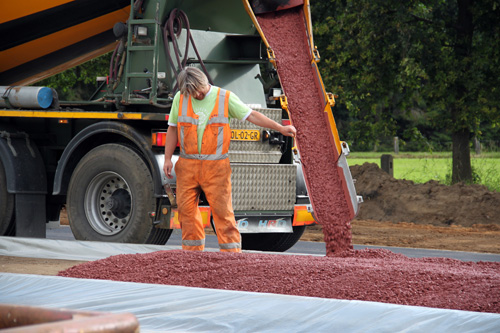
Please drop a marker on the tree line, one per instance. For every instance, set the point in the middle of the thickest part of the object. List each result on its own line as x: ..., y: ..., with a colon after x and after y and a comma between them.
x: 424, y: 71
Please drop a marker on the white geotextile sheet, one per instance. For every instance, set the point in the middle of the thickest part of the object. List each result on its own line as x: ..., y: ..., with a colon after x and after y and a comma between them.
x: 71, y: 249
x: 161, y: 308
x: 172, y: 308
x: 79, y: 250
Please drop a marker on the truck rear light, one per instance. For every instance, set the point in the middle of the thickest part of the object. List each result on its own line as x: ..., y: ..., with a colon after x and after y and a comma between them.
x: 303, y: 215
x: 158, y: 138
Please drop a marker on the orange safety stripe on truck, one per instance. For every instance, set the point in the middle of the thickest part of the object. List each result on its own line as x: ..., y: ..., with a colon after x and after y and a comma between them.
x: 205, y: 211
x: 10, y: 9
x: 82, y: 115
x: 301, y: 216
x: 37, y: 48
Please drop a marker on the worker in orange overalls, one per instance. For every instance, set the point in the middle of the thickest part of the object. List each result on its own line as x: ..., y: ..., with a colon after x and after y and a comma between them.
x: 199, y: 121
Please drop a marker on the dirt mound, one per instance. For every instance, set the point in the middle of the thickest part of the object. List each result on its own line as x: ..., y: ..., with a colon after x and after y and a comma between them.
x: 398, y: 200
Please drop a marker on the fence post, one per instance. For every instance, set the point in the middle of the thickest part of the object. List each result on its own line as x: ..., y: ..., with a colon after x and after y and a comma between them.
x: 396, y: 145
x: 477, y: 146
x: 386, y: 164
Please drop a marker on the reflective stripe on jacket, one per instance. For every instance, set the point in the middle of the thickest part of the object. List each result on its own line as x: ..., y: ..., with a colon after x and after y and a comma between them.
x: 217, y: 134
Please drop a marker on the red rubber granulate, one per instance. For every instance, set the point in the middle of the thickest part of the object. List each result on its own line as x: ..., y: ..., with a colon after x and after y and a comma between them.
x: 286, y: 33
x: 370, y: 275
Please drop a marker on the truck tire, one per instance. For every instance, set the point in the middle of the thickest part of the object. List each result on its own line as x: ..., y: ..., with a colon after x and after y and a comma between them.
x: 274, y: 242
x: 110, y: 198
x: 7, y: 221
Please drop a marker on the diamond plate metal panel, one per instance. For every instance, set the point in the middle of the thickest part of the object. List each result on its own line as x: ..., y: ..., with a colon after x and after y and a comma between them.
x: 254, y: 157
x: 255, y: 151
x: 253, y: 146
x: 274, y: 114
x: 263, y: 186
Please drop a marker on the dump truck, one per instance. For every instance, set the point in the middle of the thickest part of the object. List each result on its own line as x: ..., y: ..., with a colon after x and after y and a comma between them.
x: 102, y: 159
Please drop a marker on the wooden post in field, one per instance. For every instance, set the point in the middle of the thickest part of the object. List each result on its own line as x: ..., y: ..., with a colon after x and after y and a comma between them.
x: 477, y: 146
x: 396, y: 145
x: 386, y: 164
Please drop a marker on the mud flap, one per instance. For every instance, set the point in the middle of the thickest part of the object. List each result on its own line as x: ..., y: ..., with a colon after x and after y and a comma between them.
x: 30, y: 215
x: 26, y: 179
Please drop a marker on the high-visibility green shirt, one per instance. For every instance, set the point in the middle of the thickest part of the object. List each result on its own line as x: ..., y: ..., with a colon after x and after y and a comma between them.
x: 203, y: 108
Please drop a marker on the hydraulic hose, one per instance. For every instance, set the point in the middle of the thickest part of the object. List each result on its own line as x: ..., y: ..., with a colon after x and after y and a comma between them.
x: 114, y: 73
x: 171, y: 31
x: 111, y: 63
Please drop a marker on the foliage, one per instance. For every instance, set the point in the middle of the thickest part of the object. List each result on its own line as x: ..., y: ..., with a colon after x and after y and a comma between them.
x: 412, y: 68
x: 78, y: 83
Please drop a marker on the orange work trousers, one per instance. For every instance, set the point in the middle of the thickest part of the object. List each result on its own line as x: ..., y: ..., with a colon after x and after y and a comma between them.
x: 214, y: 179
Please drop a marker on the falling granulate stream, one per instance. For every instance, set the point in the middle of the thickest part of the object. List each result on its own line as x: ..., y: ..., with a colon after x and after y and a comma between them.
x: 286, y: 33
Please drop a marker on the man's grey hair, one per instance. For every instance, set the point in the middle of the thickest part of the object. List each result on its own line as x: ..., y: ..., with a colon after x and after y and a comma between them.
x: 191, y: 80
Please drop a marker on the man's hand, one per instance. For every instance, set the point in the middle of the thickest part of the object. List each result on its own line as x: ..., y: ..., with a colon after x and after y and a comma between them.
x: 261, y: 120
x: 167, y: 168
x: 288, y: 130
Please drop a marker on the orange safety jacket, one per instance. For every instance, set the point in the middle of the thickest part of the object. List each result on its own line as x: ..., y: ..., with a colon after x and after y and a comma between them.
x: 217, y: 134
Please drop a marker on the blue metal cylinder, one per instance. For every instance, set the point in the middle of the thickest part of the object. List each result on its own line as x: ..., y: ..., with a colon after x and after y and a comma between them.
x: 26, y: 97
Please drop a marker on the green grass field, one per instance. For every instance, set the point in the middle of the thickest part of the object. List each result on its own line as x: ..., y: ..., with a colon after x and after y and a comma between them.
x: 422, y: 167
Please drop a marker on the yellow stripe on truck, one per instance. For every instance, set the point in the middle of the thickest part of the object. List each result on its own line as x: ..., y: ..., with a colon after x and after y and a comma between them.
x: 70, y: 115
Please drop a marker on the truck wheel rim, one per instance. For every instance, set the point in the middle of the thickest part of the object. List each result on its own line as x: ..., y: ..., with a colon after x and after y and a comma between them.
x: 108, y: 203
